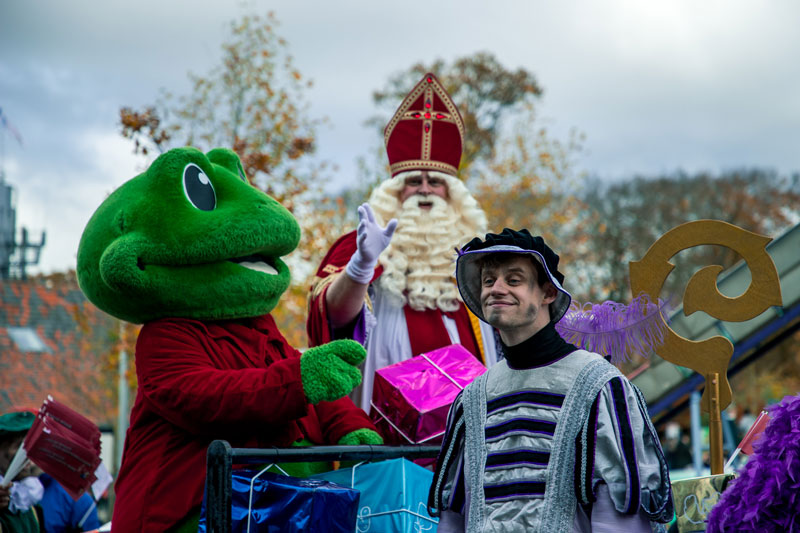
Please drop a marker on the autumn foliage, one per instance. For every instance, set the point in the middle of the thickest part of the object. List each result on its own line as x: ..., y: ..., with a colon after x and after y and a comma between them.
x: 78, y: 365
x: 522, y: 176
x: 624, y: 218
x: 253, y: 102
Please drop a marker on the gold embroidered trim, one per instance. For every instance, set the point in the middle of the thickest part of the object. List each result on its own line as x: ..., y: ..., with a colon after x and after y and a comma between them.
x: 427, y: 127
x: 404, y: 105
x: 436, y: 87
x: 415, y: 164
x: 476, y: 329
x: 331, y: 269
x: 319, y: 284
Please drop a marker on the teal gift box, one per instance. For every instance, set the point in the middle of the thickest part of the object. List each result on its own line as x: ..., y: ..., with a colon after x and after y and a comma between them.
x: 394, y: 495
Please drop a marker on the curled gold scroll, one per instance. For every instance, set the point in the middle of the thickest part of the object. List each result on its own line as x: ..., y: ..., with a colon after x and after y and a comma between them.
x: 702, y: 294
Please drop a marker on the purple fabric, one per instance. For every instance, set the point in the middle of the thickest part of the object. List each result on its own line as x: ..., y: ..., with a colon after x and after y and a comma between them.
x: 625, y: 430
x: 517, y: 457
x: 530, y: 397
x: 766, y: 495
x: 360, y: 328
x: 520, y: 425
x: 614, y: 329
x: 587, y: 492
x: 514, y: 490
x: 606, y: 519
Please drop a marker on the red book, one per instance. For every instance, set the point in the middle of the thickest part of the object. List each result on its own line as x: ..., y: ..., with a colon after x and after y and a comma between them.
x: 72, y: 420
x: 65, y: 445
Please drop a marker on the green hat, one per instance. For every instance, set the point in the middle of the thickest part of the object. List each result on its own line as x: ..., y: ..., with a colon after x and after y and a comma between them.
x: 16, y: 422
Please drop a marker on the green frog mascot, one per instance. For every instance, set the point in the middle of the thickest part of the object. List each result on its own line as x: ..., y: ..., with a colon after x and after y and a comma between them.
x: 191, y: 250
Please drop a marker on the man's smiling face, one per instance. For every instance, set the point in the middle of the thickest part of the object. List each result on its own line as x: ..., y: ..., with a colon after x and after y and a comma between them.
x: 512, y: 299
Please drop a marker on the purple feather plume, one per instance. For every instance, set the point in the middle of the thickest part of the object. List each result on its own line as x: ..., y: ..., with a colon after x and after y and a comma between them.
x: 614, y: 329
x: 766, y: 495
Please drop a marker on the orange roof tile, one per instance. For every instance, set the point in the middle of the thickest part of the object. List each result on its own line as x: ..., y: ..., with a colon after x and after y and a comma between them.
x: 80, y: 339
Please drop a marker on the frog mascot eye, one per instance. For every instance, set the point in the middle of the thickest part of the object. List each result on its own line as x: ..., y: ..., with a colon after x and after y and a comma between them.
x: 198, y: 188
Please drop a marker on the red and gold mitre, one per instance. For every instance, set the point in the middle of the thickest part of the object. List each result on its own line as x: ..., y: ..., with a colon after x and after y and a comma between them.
x: 426, y: 132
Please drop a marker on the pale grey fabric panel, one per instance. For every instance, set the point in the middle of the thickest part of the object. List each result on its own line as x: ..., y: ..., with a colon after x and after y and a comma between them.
x: 524, y: 514
x: 560, y: 499
x: 450, y: 522
x: 610, y: 465
x: 606, y: 518
x: 452, y: 459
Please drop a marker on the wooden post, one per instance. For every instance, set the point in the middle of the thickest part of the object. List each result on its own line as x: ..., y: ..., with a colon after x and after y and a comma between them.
x: 714, y: 423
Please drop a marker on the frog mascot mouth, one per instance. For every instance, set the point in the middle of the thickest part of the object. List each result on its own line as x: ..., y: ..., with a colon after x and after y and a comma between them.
x: 191, y: 250
x: 190, y: 238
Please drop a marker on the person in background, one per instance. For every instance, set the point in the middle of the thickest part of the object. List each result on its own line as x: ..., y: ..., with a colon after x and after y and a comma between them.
x: 19, y: 499
x: 393, y: 290
x: 677, y: 447
x: 551, y: 438
x: 62, y: 514
x: 744, y: 423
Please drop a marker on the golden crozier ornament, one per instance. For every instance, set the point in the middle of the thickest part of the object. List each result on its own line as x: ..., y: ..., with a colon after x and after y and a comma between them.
x: 709, y: 357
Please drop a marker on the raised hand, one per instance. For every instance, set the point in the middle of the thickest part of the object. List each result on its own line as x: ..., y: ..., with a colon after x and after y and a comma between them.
x: 330, y: 371
x: 371, y: 240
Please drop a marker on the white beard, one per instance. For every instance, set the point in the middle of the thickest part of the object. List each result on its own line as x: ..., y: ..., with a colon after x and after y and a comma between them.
x: 419, y: 263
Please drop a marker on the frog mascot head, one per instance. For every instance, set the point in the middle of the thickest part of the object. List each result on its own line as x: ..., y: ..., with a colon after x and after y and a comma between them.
x: 191, y: 250
x: 189, y: 238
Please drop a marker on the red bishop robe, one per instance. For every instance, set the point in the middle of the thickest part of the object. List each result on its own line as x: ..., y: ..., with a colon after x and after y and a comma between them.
x: 237, y: 380
x: 429, y: 331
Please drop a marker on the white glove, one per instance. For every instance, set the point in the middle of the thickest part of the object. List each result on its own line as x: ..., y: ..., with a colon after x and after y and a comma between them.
x: 371, y: 240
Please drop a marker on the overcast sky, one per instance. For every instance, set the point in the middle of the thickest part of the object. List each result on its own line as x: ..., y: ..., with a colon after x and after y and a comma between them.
x: 655, y: 86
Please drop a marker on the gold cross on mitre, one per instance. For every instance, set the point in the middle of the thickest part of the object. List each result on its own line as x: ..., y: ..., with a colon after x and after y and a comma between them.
x: 412, y: 147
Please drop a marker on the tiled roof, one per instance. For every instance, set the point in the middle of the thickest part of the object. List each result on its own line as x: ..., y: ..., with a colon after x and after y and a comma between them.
x: 77, y: 366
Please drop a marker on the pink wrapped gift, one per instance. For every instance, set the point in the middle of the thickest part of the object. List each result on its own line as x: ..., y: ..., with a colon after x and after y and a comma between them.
x: 410, y: 399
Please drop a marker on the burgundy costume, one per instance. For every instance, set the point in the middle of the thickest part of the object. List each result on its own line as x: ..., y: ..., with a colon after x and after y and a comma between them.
x: 429, y: 330
x: 237, y: 380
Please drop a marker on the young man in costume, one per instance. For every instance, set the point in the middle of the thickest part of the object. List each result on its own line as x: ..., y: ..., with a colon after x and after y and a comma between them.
x: 552, y: 438
x: 193, y: 251
x: 394, y: 290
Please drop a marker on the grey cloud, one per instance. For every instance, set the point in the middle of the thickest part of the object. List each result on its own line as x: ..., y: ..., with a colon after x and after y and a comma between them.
x: 655, y: 86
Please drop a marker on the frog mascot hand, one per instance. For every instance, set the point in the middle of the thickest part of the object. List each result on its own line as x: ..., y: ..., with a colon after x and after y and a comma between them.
x: 193, y: 251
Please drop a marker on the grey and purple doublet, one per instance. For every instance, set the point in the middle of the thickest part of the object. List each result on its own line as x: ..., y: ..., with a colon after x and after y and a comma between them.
x: 541, y: 433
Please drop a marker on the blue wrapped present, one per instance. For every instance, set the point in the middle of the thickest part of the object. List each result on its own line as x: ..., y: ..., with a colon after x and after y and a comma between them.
x: 263, y: 501
x: 394, y: 495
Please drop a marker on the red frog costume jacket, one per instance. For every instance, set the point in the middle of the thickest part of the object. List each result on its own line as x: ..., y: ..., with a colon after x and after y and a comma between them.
x: 191, y: 250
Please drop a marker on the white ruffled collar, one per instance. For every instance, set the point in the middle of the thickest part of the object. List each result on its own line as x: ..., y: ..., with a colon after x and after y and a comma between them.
x: 25, y: 493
